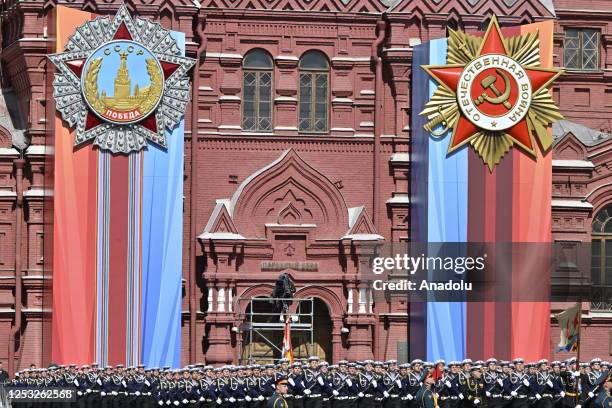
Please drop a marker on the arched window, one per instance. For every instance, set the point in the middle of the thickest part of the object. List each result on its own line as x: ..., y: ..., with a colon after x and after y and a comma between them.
x: 601, y: 260
x: 257, y: 92
x: 314, y: 84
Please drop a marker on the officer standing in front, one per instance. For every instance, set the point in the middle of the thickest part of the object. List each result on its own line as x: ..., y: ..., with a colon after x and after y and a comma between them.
x: 277, y: 399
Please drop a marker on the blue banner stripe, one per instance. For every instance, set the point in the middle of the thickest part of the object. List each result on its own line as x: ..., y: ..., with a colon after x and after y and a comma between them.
x: 162, y: 235
x: 419, y: 157
x: 446, y: 222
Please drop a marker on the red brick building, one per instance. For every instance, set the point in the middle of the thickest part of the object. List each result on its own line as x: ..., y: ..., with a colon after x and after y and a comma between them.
x: 301, y: 159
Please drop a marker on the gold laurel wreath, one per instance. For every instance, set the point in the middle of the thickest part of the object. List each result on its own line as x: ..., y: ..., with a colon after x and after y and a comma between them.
x: 148, y: 103
x: 491, y: 146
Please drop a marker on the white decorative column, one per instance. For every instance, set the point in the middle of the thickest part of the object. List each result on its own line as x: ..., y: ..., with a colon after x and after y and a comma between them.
x: 362, y: 300
x: 230, y: 299
x: 221, y: 300
x: 210, y: 299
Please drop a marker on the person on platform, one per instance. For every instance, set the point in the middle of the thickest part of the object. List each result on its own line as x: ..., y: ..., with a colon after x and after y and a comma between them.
x: 277, y: 399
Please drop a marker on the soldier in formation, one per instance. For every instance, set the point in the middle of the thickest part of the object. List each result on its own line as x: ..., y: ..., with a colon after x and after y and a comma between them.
x: 317, y: 384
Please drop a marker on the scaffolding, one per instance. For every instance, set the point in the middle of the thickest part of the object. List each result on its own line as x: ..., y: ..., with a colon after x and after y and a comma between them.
x: 265, y: 326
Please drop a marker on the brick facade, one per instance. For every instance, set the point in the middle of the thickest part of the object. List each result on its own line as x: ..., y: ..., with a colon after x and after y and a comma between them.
x: 279, y: 196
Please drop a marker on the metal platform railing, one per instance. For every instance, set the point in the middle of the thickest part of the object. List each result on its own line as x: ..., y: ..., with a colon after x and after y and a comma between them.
x: 263, y: 326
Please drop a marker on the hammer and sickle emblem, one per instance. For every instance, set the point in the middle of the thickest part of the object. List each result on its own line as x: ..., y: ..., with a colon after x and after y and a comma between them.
x: 489, y: 83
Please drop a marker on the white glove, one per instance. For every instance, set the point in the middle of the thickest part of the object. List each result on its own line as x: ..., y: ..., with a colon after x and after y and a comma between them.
x: 88, y: 390
x: 461, y: 395
x: 526, y: 382
x: 336, y: 393
x: 399, y: 383
x: 290, y: 381
x: 591, y: 395
x: 176, y: 403
x: 102, y: 393
x: 488, y: 394
x: 201, y: 399
x: 576, y: 374
x: 307, y: 392
x: 79, y: 393
x: 137, y: 393
x: 261, y: 398
x: 232, y: 399
x: 168, y: 402
x: 562, y: 394
x: 410, y: 397
x: 114, y: 392
x: 99, y: 381
x: 448, y: 384
x: 513, y: 393
x: 538, y: 396
x: 320, y: 380
x: 184, y: 401
x: 578, y: 406
x: 360, y: 395
x: 246, y: 397
x: 386, y: 394
x: 160, y: 402
x: 349, y: 382
x: 500, y: 382
x: 550, y: 384
x: 218, y: 401
x: 476, y: 401
x: 374, y: 383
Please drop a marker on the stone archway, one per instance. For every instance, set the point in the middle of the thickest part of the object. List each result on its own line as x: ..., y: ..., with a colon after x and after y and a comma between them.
x: 321, y: 342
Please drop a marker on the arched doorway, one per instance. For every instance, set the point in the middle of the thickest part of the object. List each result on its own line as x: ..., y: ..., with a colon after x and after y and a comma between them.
x: 321, y: 342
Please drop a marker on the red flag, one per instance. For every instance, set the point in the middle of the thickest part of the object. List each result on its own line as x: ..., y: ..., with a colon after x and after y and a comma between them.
x: 437, y: 373
x: 287, y: 351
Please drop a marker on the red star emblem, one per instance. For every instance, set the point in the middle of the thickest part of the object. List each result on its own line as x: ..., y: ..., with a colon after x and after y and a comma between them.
x: 494, y: 93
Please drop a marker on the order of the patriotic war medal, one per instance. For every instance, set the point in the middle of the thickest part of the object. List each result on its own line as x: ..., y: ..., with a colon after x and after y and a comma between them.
x: 121, y: 83
x: 493, y: 94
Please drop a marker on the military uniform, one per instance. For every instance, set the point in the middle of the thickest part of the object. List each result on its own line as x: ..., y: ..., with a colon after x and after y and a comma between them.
x: 276, y: 401
x: 425, y: 398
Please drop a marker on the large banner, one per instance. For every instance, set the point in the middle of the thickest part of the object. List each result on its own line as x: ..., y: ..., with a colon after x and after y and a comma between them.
x: 482, y: 172
x: 118, y: 193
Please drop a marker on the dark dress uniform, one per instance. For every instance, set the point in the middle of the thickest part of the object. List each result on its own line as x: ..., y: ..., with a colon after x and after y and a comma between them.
x: 425, y: 398
x: 494, y: 389
x: 392, y: 383
x: 474, y: 391
x: 516, y: 385
x: 602, y: 400
x: 312, y: 388
x: 450, y: 388
x: 276, y: 401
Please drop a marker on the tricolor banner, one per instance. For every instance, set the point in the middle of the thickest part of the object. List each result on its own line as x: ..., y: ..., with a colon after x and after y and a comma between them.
x: 118, y: 202
x: 482, y: 172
